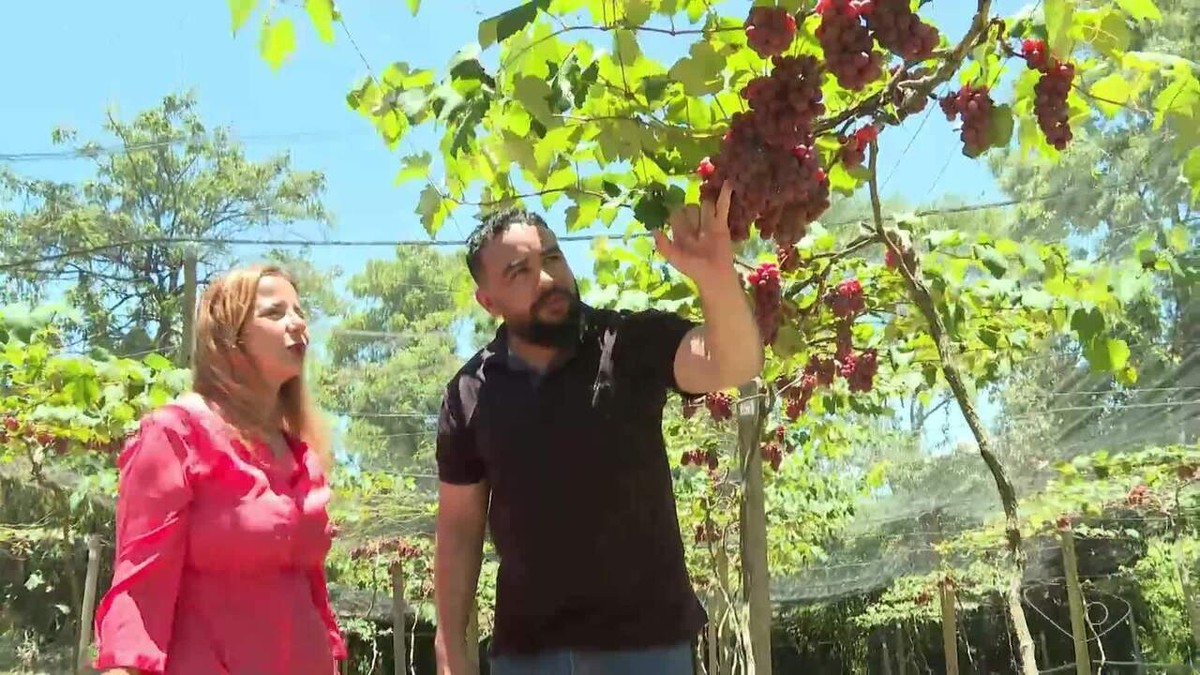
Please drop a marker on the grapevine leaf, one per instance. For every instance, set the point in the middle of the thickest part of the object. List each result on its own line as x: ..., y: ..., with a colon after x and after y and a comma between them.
x: 505, y: 24
x: 1191, y: 171
x: 1087, y: 324
x: 414, y: 6
x: 584, y: 212
x: 700, y: 72
x: 788, y: 342
x: 427, y: 207
x: 1107, y: 355
x: 992, y: 260
x: 239, y: 13
x: 277, y: 41
x: 414, y: 166
x: 320, y: 12
x: 1000, y: 126
x: 157, y: 362
x: 1111, y: 93
x: 1059, y: 15
x: 1141, y: 10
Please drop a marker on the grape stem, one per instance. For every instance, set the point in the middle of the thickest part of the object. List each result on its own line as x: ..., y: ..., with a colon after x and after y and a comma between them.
x: 937, y: 329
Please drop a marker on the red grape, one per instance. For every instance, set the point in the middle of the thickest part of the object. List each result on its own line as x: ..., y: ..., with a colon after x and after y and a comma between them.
x: 770, y: 30
x: 720, y: 405
x: 768, y: 295
x: 900, y: 31
x: 847, y: 299
x: 1035, y: 53
x: 975, y: 106
x: 1050, y: 104
x: 846, y: 42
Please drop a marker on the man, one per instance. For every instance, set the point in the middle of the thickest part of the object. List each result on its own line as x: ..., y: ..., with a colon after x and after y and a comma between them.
x: 552, y: 436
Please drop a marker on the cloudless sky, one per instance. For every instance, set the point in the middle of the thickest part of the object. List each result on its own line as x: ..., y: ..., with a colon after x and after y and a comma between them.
x: 67, y: 62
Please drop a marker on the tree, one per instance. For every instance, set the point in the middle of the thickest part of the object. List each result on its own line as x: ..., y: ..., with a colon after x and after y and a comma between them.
x: 112, y: 242
x: 390, y: 357
x: 610, y: 130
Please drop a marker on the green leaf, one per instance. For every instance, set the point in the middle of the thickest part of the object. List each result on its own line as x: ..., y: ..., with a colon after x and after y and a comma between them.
x: 1107, y: 355
x: 1111, y: 93
x: 992, y: 260
x: 277, y: 41
x: 505, y: 24
x: 1141, y: 10
x: 414, y: 166
x: 239, y: 13
x: 413, y: 6
x: 845, y: 181
x: 1059, y: 15
x: 1191, y: 171
x: 701, y: 72
x: 1000, y: 126
x: 320, y: 12
x: 939, y: 238
x: 427, y: 207
x: 1087, y: 324
x: 158, y: 362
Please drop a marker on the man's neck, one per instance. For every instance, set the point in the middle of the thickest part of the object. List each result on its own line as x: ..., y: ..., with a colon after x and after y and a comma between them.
x: 538, y: 357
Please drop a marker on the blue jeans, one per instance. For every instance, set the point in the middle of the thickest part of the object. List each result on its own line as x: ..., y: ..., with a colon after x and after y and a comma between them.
x: 673, y: 660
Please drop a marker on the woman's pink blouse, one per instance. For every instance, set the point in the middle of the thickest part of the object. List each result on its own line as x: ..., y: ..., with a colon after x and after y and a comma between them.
x: 220, y: 556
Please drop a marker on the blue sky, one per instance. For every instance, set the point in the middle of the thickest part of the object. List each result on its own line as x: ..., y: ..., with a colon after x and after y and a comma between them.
x: 68, y: 61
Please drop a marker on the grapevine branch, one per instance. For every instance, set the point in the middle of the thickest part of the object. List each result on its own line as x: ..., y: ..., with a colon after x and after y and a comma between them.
x: 1008, y: 498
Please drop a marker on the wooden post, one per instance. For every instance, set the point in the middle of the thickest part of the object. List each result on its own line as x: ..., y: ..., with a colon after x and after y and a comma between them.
x: 884, y: 656
x: 949, y: 627
x: 89, y: 603
x: 187, y: 345
x: 755, y: 571
x: 1083, y: 663
x: 724, y: 657
x: 399, y: 620
x: 713, y: 661
x: 901, y: 650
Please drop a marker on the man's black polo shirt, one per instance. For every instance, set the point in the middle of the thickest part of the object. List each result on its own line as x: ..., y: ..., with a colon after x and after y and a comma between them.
x: 582, y: 511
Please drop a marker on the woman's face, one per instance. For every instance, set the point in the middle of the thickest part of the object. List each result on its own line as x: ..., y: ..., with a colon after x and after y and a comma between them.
x: 276, y: 336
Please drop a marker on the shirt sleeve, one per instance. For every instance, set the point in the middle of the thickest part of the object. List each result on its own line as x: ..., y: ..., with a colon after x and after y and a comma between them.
x: 648, y: 341
x: 320, y: 595
x: 134, y: 619
x: 458, y: 458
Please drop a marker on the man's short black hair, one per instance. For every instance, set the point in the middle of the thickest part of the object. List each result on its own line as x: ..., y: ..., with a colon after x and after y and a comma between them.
x: 491, y: 225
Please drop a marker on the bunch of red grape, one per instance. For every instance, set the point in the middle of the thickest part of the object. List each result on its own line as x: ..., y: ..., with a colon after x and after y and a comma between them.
x: 1138, y: 496
x: 849, y: 50
x: 1050, y: 103
x: 778, y: 182
x: 768, y: 295
x: 847, y: 299
x: 403, y: 548
x: 900, y: 31
x: 859, y: 370
x: 854, y: 147
x: 1036, y: 54
x: 788, y: 258
x: 786, y: 102
x: 798, y: 395
x: 698, y: 457
x: 706, y: 532
x: 720, y: 405
x: 975, y: 106
x: 770, y: 30
x: 772, y: 452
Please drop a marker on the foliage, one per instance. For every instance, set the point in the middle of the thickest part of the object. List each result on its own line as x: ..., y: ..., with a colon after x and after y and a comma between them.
x: 65, y: 416
x: 107, y: 242
x: 1165, y: 633
x: 607, y: 129
x: 392, y: 354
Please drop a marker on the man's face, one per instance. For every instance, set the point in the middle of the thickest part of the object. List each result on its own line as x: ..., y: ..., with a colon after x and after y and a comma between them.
x: 527, y: 283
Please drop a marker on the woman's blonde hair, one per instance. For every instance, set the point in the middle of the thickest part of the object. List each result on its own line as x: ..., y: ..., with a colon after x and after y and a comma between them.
x: 223, y: 373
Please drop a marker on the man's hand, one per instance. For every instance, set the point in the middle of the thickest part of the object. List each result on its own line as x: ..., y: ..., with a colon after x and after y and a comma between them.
x: 700, y: 246
x: 452, y: 659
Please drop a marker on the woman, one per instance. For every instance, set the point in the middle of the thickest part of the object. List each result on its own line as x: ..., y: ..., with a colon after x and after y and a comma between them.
x: 222, y: 528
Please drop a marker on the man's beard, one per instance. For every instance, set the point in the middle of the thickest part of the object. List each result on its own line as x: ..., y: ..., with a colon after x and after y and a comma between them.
x: 558, y: 334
